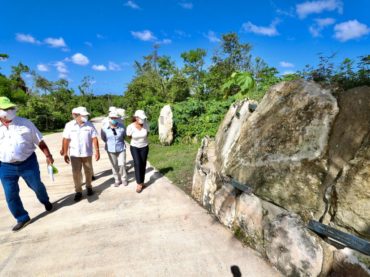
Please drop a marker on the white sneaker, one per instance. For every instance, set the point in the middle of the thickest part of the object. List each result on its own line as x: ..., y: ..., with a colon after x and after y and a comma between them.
x: 117, y: 183
x: 124, y: 182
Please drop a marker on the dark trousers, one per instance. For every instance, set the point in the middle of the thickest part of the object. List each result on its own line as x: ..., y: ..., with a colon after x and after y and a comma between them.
x: 140, y: 156
x: 30, y: 172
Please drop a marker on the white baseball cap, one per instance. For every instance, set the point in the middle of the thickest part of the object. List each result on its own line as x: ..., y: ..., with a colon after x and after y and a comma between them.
x: 82, y: 111
x: 140, y: 114
x: 114, y: 114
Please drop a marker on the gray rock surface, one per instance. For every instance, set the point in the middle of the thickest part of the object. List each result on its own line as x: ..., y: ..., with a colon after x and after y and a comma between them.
x: 291, y: 248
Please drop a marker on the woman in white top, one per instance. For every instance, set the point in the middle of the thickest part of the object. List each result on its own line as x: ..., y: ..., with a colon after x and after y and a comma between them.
x: 138, y: 132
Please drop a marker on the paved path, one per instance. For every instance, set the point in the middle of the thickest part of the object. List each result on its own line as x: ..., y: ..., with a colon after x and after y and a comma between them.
x: 117, y: 232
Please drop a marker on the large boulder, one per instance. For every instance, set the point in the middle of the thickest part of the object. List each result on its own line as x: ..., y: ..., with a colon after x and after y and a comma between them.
x: 281, y: 147
x: 291, y: 248
x: 165, y: 125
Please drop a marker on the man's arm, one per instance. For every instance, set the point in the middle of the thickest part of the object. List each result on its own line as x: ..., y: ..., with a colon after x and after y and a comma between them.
x: 96, y: 147
x: 62, y: 150
x: 45, y: 149
x: 65, y: 149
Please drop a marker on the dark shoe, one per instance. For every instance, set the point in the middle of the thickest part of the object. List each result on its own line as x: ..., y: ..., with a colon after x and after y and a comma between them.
x: 78, y: 196
x: 93, y: 178
x: 90, y: 191
x: 48, y: 207
x: 21, y: 225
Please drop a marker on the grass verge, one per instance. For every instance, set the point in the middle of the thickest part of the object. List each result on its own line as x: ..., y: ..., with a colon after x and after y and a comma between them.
x: 176, y: 162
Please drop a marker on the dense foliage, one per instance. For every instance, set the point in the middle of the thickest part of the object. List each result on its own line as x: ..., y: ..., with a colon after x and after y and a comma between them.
x: 199, y: 96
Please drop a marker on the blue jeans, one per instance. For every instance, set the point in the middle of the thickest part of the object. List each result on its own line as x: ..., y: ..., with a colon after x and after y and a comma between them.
x: 9, y: 175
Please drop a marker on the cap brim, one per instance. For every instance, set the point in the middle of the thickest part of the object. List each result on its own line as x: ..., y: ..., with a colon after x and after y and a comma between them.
x: 84, y: 114
x: 7, y: 106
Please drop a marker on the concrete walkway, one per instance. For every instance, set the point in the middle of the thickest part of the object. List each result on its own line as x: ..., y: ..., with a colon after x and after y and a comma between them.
x: 117, y: 232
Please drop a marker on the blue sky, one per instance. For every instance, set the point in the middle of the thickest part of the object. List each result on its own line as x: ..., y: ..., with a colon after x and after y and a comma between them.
x: 74, y: 38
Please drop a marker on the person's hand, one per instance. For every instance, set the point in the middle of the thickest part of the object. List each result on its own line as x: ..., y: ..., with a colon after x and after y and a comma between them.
x: 49, y: 160
x: 97, y: 156
x: 66, y: 159
x: 61, y: 152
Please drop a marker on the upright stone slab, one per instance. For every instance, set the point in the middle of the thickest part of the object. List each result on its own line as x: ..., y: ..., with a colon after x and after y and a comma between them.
x: 165, y: 125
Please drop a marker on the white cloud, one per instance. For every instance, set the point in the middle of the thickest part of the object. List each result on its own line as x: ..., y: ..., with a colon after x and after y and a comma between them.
x: 165, y: 41
x: 132, y: 5
x: 145, y: 35
x: 286, y: 64
x: 182, y: 34
x: 319, y: 25
x: 26, y: 38
x: 261, y: 30
x: 186, y: 5
x: 42, y: 67
x: 351, y: 29
x: 99, y: 67
x: 310, y: 7
x: 212, y: 36
x: 80, y: 59
x: 100, y: 36
x: 114, y: 67
x: 88, y: 44
x: 55, y: 42
x: 287, y: 72
x: 62, y: 69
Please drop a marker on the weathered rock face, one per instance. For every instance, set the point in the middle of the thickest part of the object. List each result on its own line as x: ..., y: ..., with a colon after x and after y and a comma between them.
x: 165, y: 125
x: 305, y: 155
x: 234, y: 118
x: 352, y: 194
x: 281, y: 147
x: 291, y: 249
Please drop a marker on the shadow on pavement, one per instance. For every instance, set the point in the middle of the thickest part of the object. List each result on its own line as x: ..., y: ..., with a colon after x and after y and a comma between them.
x: 235, y: 271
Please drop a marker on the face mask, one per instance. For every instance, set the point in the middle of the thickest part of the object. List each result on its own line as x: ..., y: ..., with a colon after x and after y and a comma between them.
x: 8, y: 115
x: 140, y: 121
x: 84, y: 119
x: 113, y: 122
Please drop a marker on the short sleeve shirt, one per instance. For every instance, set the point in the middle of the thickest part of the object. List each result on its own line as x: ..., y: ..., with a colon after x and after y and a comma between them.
x: 80, y: 137
x: 139, y: 138
x: 19, y: 140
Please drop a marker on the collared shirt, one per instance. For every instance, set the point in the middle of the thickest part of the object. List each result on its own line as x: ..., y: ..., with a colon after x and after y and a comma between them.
x: 114, y: 139
x: 80, y: 137
x: 18, y: 141
x: 139, y: 138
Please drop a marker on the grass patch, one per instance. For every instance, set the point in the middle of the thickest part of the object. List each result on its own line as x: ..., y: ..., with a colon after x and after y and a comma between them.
x: 176, y: 162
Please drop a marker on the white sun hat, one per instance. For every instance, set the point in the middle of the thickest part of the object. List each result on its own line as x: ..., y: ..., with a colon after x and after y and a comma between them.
x: 82, y: 111
x: 140, y: 114
x: 75, y: 111
x: 112, y: 108
x: 113, y: 114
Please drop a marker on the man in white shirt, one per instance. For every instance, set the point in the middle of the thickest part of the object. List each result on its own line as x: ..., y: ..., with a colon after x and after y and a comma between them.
x: 18, y: 140
x: 79, y: 137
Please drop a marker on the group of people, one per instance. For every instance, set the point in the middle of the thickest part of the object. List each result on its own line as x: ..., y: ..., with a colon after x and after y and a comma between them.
x: 19, y: 138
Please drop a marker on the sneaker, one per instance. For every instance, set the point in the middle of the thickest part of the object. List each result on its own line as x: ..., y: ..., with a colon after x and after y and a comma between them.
x: 48, y: 207
x: 78, y: 196
x: 21, y: 225
x: 90, y: 191
x: 124, y: 182
x: 117, y: 183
